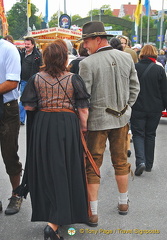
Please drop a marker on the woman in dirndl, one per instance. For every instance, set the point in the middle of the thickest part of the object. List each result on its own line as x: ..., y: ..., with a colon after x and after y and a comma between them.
x: 54, y: 172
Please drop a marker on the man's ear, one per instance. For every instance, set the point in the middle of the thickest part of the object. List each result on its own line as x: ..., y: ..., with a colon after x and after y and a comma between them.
x: 98, y: 39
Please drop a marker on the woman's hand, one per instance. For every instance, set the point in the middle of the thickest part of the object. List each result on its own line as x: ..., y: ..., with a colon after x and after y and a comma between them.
x: 83, y: 116
x: 29, y: 108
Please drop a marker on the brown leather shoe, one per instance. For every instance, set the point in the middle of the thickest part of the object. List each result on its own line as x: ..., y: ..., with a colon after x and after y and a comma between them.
x: 123, y: 209
x: 93, y: 221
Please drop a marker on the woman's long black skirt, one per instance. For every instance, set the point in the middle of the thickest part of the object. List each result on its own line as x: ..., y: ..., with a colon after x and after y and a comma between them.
x: 56, y: 176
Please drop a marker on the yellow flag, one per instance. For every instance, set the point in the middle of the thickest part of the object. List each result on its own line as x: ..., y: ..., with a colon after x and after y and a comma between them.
x: 29, y: 8
x: 138, y: 11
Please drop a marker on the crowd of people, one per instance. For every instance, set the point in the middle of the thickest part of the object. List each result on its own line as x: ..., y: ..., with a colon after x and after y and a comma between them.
x: 72, y: 103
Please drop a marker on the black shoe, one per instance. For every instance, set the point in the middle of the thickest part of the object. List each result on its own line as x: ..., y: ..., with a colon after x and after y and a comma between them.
x: 129, y: 153
x: 139, y: 169
x: 21, y: 123
x: 0, y: 206
x: 49, y: 233
x: 148, y: 169
x: 14, y: 205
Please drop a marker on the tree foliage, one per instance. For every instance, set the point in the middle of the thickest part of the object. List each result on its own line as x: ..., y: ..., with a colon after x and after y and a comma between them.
x: 152, y: 26
x: 165, y: 22
x: 54, y: 19
x: 17, y: 19
x: 145, y: 22
x: 127, y: 17
x: 94, y: 12
x: 76, y: 17
x: 104, y: 10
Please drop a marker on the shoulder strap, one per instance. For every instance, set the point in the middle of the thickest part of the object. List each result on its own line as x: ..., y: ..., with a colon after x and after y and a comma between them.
x: 59, y: 81
x: 146, y: 70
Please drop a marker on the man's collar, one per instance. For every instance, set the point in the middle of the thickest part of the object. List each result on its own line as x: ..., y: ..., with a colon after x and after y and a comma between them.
x: 104, y: 48
x: 27, y: 54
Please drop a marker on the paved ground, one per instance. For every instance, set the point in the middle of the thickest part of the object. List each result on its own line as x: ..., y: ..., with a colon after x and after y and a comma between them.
x: 147, y: 218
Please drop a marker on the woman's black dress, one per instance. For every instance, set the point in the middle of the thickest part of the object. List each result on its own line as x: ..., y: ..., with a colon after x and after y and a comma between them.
x: 54, y: 173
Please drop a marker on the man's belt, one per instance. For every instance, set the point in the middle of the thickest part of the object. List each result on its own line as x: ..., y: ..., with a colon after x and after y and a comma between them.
x: 117, y: 113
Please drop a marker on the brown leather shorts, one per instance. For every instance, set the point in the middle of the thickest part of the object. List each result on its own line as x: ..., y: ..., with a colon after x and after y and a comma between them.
x: 96, y: 141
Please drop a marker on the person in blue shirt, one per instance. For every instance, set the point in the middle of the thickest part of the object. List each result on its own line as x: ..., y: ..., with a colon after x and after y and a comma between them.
x: 10, y: 69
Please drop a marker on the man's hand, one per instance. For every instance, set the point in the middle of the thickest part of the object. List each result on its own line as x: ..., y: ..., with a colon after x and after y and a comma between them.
x: 8, y: 86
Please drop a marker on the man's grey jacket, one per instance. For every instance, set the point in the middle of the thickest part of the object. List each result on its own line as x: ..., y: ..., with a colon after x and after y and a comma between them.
x: 112, y: 82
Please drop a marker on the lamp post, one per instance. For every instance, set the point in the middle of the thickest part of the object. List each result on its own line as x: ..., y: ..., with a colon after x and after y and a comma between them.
x: 28, y: 16
x: 161, y: 25
x: 141, y: 28
x: 91, y: 12
x: 101, y: 11
x: 148, y: 24
x: 65, y: 10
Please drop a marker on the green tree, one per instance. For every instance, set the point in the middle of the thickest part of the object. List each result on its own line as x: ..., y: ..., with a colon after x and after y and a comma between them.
x: 145, y: 22
x: 127, y: 17
x: 54, y: 19
x: 152, y: 25
x: 17, y: 19
x: 75, y: 17
x: 165, y: 22
x: 104, y: 10
x: 94, y: 12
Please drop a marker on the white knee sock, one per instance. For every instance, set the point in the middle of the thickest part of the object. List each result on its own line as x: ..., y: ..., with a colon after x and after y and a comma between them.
x: 93, y: 207
x: 123, y: 198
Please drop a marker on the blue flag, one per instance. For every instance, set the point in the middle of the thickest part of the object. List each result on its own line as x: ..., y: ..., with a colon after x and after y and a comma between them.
x: 147, y: 6
x: 46, y: 12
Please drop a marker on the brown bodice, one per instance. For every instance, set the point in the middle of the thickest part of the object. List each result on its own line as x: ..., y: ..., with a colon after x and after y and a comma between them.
x: 50, y: 92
